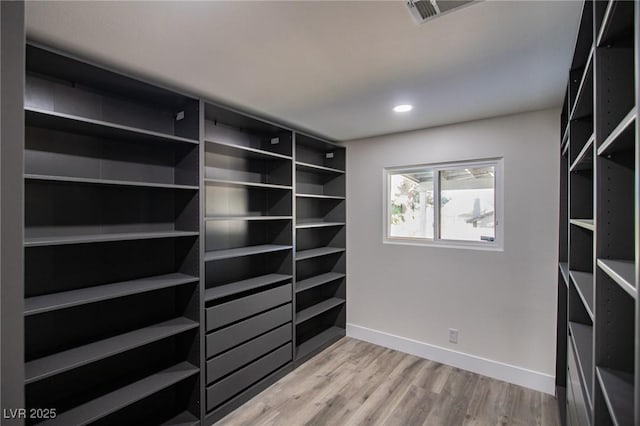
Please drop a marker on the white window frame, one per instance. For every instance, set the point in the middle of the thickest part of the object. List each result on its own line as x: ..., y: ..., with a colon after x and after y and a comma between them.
x: 496, y: 245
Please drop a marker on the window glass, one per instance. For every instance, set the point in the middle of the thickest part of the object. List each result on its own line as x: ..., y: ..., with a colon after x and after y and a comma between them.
x: 411, y: 207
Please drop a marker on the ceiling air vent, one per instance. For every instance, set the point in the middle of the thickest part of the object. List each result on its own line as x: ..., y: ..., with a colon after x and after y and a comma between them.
x: 424, y: 10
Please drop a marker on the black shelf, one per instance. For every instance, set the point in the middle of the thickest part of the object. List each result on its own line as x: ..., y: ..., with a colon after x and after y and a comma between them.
x: 617, y: 22
x: 582, y: 341
x: 318, y: 280
x: 319, y: 341
x: 622, y: 272
x: 243, y: 251
x: 583, y: 223
x: 564, y: 269
x: 314, y: 168
x: 218, y: 218
x: 320, y: 196
x: 71, y: 123
x: 210, y: 181
x: 317, y: 309
x: 316, y: 252
x: 622, y: 137
x: 123, y: 397
x: 584, y: 160
x: 111, y: 182
x: 67, y: 299
x: 236, y: 150
x: 583, y: 105
x: 102, y: 238
x: 583, y: 282
x: 618, y: 390
x: 310, y: 223
x: 73, y: 358
x: 182, y: 419
x: 230, y: 289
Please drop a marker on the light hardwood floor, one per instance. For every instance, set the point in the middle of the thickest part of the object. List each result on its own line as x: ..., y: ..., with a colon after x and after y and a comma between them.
x: 358, y: 383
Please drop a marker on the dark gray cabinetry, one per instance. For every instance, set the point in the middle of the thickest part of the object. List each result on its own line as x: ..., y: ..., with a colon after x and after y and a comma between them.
x: 597, y: 292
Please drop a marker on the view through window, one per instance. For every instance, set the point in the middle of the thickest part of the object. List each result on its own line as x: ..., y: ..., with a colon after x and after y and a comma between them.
x: 433, y: 203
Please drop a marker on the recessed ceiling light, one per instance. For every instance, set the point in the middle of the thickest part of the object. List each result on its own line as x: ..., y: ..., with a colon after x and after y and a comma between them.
x: 403, y: 108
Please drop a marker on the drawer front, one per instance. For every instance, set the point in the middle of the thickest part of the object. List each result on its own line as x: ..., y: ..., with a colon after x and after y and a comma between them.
x: 235, y: 358
x: 231, y: 336
x: 226, y: 313
x: 245, y: 377
x: 577, y: 404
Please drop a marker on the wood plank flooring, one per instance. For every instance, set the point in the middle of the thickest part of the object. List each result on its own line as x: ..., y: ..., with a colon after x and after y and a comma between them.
x: 358, y: 383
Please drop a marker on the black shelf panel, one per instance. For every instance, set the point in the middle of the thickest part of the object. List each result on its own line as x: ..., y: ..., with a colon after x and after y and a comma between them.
x: 318, y: 308
x: 215, y: 218
x: 73, y: 358
x: 318, y: 341
x: 112, y: 182
x: 310, y: 223
x: 102, y: 238
x: 622, y: 272
x: 123, y: 397
x: 582, y: 340
x: 316, y: 252
x: 209, y: 181
x: 243, y: 251
x: 50, y: 302
x: 235, y: 150
x: 617, y: 388
x: 87, y: 126
x: 584, y: 160
x: 319, y: 196
x: 622, y: 138
x: 583, y: 223
x: 244, y: 285
x: 564, y: 269
x: 308, y: 167
x: 183, y: 419
x: 318, y: 280
x: 584, y: 284
x: 617, y: 22
x: 583, y: 105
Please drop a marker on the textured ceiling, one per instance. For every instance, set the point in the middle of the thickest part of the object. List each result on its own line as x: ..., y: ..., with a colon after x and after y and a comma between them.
x: 333, y: 67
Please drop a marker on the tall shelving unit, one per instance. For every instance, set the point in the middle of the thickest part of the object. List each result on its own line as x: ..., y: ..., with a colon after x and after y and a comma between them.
x: 602, y: 248
x: 320, y: 245
x: 111, y: 246
x: 248, y: 222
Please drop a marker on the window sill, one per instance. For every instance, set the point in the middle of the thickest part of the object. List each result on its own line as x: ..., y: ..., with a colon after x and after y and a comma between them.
x: 444, y: 244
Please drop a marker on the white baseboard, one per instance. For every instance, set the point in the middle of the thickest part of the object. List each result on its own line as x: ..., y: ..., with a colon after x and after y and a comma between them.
x: 497, y: 370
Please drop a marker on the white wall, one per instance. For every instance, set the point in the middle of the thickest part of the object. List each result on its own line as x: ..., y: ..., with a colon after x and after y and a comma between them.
x: 502, y: 303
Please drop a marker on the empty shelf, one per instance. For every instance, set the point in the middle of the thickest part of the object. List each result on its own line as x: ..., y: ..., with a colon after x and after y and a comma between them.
x: 211, y: 218
x: 87, y: 126
x: 47, y: 366
x: 235, y: 150
x: 101, y: 238
x: 67, y: 299
x: 617, y: 20
x: 243, y: 251
x: 316, y: 224
x: 317, y: 309
x: 316, y: 168
x: 211, y: 181
x: 328, y: 197
x: 322, y: 251
x: 214, y: 293
x: 123, y: 397
x: 582, y: 339
x: 183, y: 419
x: 112, y: 182
x: 621, y: 271
x: 318, y: 341
x: 584, y: 284
x: 584, y: 160
x: 318, y: 280
x: 617, y: 388
x: 583, y: 223
x: 622, y: 138
x: 564, y: 269
x: 583, y: 105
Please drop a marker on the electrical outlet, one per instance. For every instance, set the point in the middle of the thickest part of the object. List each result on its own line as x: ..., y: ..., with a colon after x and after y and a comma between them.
x: 453, y: 335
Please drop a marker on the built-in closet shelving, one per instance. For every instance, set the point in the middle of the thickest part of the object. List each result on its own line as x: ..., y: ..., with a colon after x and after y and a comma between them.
x: 320, y: 244
x: 111, y: 246
x: 180, y: 256
x: 248, y: 254
x: 597, y: 314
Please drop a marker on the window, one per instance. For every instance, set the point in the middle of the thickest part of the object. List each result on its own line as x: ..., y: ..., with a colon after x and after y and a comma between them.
x: 452, y: 204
